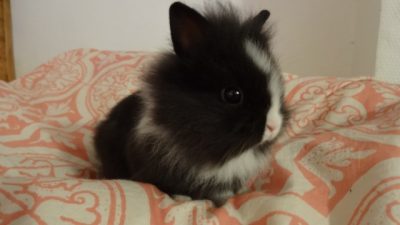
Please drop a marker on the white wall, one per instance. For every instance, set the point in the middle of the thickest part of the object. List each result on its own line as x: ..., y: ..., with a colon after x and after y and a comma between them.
x: 45, y: 28
x: 388, y: 52
x: 366, y: 39
x: 331, y: 37
x: 312, y: 37
x: 315, y: 37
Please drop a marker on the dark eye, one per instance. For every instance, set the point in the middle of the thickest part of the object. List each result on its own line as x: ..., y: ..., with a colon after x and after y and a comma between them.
x: 232, y: 95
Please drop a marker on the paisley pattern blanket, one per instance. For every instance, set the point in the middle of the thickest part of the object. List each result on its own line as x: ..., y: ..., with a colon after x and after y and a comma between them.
x: 338, y: 161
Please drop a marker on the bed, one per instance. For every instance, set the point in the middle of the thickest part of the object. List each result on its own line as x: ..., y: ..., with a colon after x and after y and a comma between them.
x: 337, y: 163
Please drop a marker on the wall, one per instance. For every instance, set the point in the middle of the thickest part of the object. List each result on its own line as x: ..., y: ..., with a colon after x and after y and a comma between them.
x: 366, y: 38
x: 388, y: 51
x: 335, y: 37
x: 45, y: 28
x: 312, y: 37
x: 315, y: 37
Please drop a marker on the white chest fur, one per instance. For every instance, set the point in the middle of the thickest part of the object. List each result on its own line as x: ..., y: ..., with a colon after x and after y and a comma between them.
x: 242, y: 167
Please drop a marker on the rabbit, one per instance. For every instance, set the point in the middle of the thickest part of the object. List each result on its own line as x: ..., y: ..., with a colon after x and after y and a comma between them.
x: 207, y: 113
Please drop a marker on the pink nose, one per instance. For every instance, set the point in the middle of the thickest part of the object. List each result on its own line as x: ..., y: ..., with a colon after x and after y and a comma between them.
x: 270, y: 127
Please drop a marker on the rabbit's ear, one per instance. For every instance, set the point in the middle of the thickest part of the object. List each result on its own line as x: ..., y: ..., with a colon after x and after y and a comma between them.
x: 259, y: 20
x: 189, y: 29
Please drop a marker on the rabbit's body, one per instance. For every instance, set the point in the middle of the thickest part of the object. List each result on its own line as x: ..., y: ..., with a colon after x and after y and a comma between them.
x: 203, y: 121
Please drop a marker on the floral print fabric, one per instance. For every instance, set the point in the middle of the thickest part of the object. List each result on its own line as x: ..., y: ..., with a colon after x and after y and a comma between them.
x: 337, y: 162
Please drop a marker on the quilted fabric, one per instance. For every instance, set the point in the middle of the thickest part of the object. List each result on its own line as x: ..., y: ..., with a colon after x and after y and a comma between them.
x: 337, y: 163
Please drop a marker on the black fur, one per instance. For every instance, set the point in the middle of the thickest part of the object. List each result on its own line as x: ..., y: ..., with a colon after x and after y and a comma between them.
x: 185, y: 88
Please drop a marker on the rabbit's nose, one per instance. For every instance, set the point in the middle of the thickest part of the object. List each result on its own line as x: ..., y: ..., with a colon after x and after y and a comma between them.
x: 271, y: 127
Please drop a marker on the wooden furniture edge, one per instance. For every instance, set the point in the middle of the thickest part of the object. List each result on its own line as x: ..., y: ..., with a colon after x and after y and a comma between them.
x: 7, y: 70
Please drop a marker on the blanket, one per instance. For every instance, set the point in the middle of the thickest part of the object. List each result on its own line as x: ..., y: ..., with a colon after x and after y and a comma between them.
x: 337, y: 162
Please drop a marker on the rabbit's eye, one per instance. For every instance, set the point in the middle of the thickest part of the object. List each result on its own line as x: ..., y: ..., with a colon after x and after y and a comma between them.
x: 232, y: 95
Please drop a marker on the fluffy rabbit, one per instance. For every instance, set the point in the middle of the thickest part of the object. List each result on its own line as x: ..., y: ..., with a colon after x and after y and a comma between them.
x: 204, y: 119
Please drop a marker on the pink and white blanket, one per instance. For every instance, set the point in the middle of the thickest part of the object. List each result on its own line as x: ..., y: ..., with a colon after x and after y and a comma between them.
x: 338, y: 162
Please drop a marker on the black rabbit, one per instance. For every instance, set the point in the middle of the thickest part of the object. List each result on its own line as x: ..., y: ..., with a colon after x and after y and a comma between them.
x: 204, y: 119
